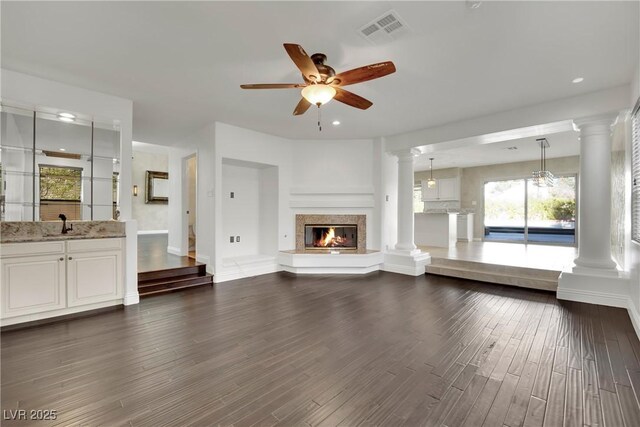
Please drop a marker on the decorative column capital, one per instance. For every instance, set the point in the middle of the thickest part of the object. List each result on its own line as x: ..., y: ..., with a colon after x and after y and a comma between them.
x: 406, y: 153
x: 596, y: 125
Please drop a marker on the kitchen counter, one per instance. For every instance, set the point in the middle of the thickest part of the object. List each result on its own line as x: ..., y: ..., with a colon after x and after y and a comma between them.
x: 436, y: 229
x: 45, y: 231
x: 462, y: 211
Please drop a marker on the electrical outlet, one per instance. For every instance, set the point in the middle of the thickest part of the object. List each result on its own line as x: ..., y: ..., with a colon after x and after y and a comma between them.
x: 230, y: 239
x: 238, y: 239
x: 232, y: 195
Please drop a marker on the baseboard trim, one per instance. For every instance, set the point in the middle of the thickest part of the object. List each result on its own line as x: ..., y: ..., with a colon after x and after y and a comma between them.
x: 131, y: 299
x: 153, y: 232
x: 594, y: 297
x: 235, y: 273
x: 407, y: 270
x: 634, y: 316
x: 175, y: 251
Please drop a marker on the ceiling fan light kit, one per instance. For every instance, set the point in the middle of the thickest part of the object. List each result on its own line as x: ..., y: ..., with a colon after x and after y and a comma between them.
x: 322, y: 84
x: 318, y: 94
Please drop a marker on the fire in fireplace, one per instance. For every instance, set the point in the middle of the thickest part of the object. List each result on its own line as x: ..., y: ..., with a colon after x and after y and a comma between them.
x: 331, y: 236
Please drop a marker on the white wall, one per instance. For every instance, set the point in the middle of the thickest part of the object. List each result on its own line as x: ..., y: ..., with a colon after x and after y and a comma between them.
x: 240, y: 213
x: 237, y: 144
x: 331, y: 177
x: 634, y: 248
x: 150, y: 216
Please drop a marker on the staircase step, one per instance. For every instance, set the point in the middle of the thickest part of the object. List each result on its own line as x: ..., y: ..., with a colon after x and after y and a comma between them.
x: 172, y: 272
x: 180, y: 282
x: 495, y: 277
x: 510, y: 270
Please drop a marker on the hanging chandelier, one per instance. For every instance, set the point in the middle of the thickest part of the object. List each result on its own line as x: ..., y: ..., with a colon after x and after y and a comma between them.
x: 431, y: 183
x: 543, y: 177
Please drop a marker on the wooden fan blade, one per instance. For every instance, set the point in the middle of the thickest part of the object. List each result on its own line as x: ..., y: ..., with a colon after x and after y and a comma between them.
x: 362, y: 74
x: 352, y: 99
x: 274, y: 86
x: 302, y: 61
x: 302, y: 107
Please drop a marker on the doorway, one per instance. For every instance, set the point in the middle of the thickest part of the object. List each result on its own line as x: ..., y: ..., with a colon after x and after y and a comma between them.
x: 517, y: 210
x: 192, y: 173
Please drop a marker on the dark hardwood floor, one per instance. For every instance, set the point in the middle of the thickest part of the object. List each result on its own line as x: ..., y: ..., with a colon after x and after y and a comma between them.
x: 381, y: 349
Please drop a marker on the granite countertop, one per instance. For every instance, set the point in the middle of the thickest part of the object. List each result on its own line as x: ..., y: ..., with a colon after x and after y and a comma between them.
x: 462, y: 211
x: 46, y: 231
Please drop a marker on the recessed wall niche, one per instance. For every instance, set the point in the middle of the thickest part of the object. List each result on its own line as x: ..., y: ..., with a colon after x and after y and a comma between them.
x: 54, y: 163
x: 249, y: 208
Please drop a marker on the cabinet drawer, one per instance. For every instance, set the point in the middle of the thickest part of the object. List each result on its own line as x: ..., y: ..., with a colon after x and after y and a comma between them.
x: 31, y: 248
x: 74, y: 246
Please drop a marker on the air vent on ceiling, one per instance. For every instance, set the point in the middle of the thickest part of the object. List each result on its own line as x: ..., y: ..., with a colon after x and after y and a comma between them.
x: 386, y: 27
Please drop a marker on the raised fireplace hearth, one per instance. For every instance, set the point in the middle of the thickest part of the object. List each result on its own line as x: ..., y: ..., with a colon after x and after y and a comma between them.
x: 329, y: 233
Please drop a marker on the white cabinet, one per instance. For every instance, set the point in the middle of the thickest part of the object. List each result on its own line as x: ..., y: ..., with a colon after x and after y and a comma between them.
x: 31, y: 284
x: 465, y: 227
x: 45, y: 279
x: 445, y: 189
x: 94, y: 277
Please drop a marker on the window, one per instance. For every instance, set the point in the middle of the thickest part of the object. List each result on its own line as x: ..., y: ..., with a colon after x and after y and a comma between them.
x: 518, y: 211
x: 635, y: 170
x: 60, y: 192
x: 418, y: 204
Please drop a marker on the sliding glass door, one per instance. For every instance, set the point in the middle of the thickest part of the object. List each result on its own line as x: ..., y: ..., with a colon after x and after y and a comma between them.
x: 519, y: 211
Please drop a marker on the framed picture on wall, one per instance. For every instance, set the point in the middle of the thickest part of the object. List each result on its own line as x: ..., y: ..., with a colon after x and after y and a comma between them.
x: 157, y: 187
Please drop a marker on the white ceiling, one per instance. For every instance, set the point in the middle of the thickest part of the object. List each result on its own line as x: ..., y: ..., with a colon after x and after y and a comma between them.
x: 561, y: 144
x: 182, y: 63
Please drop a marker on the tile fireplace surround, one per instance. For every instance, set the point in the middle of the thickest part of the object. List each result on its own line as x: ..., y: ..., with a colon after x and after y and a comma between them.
x: 359, y: 220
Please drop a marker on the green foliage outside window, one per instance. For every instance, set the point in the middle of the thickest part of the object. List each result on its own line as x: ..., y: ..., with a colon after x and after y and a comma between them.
x: 60, y: 183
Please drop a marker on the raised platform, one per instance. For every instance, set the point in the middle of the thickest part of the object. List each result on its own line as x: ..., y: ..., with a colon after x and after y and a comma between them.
x: 527, y: 266
x: 327, y: 263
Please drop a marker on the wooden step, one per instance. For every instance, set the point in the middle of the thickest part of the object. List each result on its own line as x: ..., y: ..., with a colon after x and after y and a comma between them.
x: 503, y: 274
x: 172, y: 272
x: 157, y: 286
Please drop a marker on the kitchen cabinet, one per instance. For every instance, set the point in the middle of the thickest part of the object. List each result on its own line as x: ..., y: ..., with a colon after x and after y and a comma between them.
x: 465, y: 227
x: 46, y: 279
x: 446, y: 189
x: 32, y: 284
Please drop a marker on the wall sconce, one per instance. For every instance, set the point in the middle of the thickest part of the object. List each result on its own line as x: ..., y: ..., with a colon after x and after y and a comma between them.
x: 135, y: 191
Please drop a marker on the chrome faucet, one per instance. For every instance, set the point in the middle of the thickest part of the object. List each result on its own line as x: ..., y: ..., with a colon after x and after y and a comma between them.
x: 63, y: 217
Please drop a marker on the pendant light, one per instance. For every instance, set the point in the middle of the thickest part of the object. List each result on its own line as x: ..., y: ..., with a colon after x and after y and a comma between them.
x: 431, y: 183
x: 543, y: 177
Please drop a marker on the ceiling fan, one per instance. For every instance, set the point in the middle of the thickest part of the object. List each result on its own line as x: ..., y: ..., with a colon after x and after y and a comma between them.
x: 322, y: 84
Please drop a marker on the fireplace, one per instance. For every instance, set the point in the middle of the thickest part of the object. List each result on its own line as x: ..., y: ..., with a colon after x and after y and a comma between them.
x: 330, y: 236
x: 329, y: 233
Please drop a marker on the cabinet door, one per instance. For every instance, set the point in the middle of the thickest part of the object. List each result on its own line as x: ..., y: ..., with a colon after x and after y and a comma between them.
x: 448, y: 189
x: 94, y: 277
x: 32, y: 284
x: 429, y: 194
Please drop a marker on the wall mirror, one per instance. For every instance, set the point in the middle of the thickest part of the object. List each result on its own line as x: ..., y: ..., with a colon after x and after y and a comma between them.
x: 157, y: 187
x: 57, y: 163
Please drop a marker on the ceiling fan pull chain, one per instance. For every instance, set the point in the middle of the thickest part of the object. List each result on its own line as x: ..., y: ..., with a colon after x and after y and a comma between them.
x: 319, y: 118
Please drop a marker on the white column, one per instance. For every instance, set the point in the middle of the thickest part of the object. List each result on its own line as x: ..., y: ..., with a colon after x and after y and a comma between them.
x: 594, y: 202
x: 405, y: 200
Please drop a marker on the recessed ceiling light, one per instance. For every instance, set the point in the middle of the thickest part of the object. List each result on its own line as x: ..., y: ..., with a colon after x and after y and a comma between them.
x: 62, y: 149
x: 335, y: 122
x: 577, y: 80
